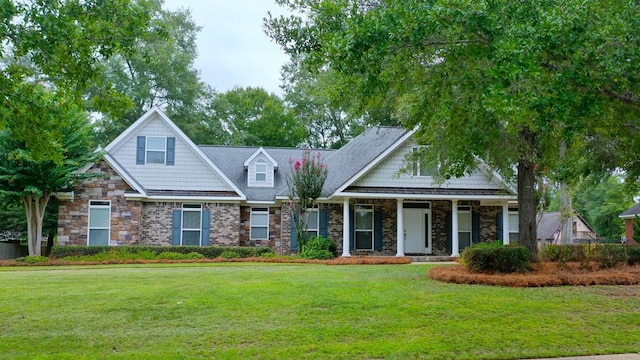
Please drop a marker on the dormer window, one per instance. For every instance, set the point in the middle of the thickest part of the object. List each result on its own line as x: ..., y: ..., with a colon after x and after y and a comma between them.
x: 156, y: 149
x: 261, y: 170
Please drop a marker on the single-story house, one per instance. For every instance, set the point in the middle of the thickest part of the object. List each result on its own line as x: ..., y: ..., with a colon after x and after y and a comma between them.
x: 156, y: 187
x: 549, y: 228
x: 630, y: 215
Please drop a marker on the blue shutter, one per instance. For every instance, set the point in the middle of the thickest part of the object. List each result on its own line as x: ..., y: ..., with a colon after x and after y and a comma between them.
x: 176, y: 227
x: 140, y: 149
x: 206, y: 225
x: 377, y: 230
x: 294, y: 233
x: 499, y: 225
x: 171, y: 151
x: 352, y: 239
x: 447, y: 227
x: 324, y: 224
x: 475, y: 228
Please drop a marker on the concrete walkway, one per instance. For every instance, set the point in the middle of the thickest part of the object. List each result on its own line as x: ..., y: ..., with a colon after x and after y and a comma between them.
x: 635, y: 356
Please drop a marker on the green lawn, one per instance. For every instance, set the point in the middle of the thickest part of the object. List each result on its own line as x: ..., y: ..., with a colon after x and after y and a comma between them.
x: 286, y: 311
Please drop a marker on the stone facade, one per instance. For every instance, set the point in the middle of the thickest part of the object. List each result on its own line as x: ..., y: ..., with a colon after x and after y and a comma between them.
x: 275, y: 228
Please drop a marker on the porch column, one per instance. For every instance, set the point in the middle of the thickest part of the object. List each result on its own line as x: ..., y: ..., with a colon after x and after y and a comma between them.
x: 455, y: 246
x: 505, y: 224
x: 345, y: 228
x: 400, y: 227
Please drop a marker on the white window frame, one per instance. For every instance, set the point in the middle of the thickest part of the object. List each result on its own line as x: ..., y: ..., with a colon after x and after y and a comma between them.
x: 99, y: 204
x: 466, y: 210
x: 367, y: 208
x: 258, y: 211
x: 191, y: 208
x: 148, y: 149
x: 513, y: 230
x: 260, y: 163
x: 417, y: 168
x: 313, y: 231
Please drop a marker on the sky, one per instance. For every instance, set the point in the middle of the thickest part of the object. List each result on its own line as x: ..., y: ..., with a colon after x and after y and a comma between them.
x: 233, y: 49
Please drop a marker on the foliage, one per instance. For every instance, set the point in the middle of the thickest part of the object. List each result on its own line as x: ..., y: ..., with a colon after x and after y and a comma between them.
x: 178, y: 256
x: 633, y: 253
x: 253, y: 117
x: 305, y: 183
x: 506, y: 82
x: 566, y: 253
x: 611, y: 255
x: 495, y: 257
x: 33, y: 259
x: 636, y: 228
x: 210, y: 252
x: 116, y: 254
x: 229, y: 255
x: 318, y: 247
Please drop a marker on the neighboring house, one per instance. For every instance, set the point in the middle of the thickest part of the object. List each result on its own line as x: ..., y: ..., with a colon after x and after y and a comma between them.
x: 158, y: 188
x: 629, y: 217
x: 550, y: 228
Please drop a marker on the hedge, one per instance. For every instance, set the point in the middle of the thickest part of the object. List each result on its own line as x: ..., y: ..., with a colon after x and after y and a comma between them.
x: 209, y: 252
x: 495, y: 257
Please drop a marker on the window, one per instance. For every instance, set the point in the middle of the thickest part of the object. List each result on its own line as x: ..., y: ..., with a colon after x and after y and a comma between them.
x: 261, y: 170
x: 259, y: 224
x: 464, y: 227
x: 513, y: 225
x: 156, y: 149
x: 99, y: 222
x: 191, y: 224
x: 420, y: 166
x: 364, y: 227
x: 313, y: 222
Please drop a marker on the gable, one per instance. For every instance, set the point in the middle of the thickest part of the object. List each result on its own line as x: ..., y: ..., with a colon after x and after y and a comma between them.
x: 260, y: 172
x: 189, y: 171
x: 387, y: 174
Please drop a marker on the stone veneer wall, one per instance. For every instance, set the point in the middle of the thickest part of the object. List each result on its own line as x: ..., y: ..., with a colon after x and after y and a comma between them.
x: 73, y: 216
x: 275, y: 228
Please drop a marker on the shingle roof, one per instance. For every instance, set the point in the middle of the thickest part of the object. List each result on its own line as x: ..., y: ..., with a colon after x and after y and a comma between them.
x: 631, y: 212
x: 548, y: 225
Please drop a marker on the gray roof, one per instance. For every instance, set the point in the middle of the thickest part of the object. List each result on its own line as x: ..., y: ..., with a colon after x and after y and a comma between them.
x: 342, y: 164
x: 548, y: 225
x: 633, y: 211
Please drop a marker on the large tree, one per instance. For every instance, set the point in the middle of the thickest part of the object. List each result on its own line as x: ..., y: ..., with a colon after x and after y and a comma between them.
x: 499, y: 80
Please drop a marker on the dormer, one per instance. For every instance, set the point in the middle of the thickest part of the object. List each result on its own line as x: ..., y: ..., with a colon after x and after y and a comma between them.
x: 261, y: 169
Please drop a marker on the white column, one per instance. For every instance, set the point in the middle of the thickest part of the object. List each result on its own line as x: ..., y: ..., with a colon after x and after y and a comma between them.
x: 455, y: 246
x: 345, y: 228
x: 400, y: 227
x: 505, y: 223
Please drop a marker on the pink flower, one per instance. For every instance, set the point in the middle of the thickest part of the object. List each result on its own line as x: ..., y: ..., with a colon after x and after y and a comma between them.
x: 297, y: 165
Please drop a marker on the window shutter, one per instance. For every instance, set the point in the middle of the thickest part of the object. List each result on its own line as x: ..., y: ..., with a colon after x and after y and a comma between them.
x: 499, y: 225
x: 377, y: 230
x: 352, y: 239
x: 206, y: 225
x: 176, y: 227
x: 447, y: 227
x: 324, y: 224
x: 171, y: 151
x: 294, y: 233
x: 140, y: 149
x: 475, y: 228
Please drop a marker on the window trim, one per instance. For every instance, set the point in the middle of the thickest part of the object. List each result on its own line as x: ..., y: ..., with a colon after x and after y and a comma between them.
x: 98, y: 204
x: 513, y: 211
x: 191, y: 208
x: 466, y: 210
x: 147, y: 150
x: 368, y: 208
x: 316, y: 230
x: 417, y: 168
x: 260, y: 162
x: 258, y: 211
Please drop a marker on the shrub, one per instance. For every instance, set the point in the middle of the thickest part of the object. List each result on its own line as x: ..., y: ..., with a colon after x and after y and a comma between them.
x: 207, y: 251
x: 495, y: 257
x: 169, y: 255
x: 565, y: 253
x: 229, y: 255
x: 32, y: 259
x: 634, y: 255
x: 611, y: 255
x: 318, y: 248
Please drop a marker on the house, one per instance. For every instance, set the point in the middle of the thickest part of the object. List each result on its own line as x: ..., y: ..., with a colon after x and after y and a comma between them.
x: 629, y: 217
x: 156, y: 187
x: 550, y: 228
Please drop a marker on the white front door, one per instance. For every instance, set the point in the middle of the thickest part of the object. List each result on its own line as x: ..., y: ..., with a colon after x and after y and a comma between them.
x: 417, y: 231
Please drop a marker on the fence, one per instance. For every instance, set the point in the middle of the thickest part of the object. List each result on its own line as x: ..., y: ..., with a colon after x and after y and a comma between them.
x: 12, y: 250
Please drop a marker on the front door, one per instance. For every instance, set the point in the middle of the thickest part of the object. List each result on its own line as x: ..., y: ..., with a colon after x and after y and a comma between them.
x: 417, y: 231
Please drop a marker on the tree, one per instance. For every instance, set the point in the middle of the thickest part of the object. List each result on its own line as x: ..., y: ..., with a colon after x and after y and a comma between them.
x: 254, y: 117
x: 160, y: 71
x: 34, y: 179
x: 498, y: 80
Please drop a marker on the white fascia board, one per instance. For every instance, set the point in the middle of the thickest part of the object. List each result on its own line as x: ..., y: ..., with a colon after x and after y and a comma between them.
x: 251, y: 203
x: 202, y: 199
x: 375, y: 162
x: 424, y: 196
x: 65, y: 195
x: 632, y: 216
x: 262, y: 151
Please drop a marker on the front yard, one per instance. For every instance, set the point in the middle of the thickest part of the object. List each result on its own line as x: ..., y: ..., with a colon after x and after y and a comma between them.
x: 293, y: 311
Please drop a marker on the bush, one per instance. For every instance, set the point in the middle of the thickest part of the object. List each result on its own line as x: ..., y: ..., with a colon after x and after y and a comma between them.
x: 318, y: 248
x: 168, y: 255
x: 565, y: 253
x: 209, y: 252
x: 611, y: 255
x: 32, y: 259
x: 229, y: 255
x: 633, y: 252
x: 495, y: 257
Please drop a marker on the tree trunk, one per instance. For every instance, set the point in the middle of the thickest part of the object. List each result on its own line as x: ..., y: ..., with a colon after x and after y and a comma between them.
x: 527, y: 200
x: 35, y: 208
x: 566, y: 215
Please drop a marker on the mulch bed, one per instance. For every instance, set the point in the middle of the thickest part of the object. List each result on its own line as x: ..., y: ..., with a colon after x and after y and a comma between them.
x: 543, y: 274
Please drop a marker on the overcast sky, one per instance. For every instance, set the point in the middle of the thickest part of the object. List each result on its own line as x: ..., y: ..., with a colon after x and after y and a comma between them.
x: 233, y: 49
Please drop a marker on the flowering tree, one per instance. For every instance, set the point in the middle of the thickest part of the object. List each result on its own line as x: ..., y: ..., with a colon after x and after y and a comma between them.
x: 305, y: 186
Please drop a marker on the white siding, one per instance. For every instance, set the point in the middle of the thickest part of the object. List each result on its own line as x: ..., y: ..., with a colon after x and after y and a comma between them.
x: 251, y: 173
x: 387, y: 174
x: 190, y: 172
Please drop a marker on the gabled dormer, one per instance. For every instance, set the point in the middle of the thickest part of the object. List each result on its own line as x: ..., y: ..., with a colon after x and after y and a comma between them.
x: 261, y: 169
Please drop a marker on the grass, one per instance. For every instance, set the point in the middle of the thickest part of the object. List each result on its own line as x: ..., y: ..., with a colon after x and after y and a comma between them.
x: 300, y: 311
